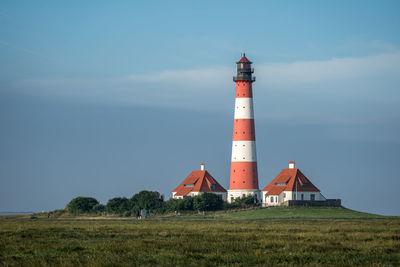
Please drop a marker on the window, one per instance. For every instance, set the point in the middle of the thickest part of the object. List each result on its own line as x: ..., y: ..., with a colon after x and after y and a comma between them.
x: 302, y: 196
x: 212, y: 186
x: 244, y: 195
x: 272, y: 199
x: 188, y: 185
x: 284, y: 195
x: 280, y: 183
x: 312, y: 196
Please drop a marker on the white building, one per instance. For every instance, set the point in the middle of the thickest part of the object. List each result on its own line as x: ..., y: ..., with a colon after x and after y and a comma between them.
x: 197, y: 183
x: 290, y: 184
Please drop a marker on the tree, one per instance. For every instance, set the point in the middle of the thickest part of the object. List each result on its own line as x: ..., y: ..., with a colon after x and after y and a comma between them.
x: 98, y: 208
x: 147, y: 200
x: 207, y: 201
x: 82, y: 205
x: 186, y: 203
x: 173, y: 204
x: 118, y: 205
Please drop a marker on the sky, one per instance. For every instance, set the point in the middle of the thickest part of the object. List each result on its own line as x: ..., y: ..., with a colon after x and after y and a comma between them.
x: 108, y: 98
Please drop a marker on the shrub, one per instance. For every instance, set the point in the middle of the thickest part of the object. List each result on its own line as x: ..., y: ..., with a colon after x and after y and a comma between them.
x: 242, y: 202
x: 57, y: 213
x: 173, y: 204
x: 126, y: 214
x: 207, y: 201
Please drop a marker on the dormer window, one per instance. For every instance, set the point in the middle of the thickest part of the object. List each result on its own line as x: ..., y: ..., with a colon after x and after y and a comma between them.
x: 212, y: 186
x: 280, y: 183
x: 188, y: 185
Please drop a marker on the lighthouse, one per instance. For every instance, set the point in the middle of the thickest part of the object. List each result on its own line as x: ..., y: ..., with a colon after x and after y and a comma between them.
x: 244, y: 175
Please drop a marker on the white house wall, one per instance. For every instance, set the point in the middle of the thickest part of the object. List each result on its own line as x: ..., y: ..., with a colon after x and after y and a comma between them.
x: 289, y: 195
x: 193, y: 194
x: 306, y: 195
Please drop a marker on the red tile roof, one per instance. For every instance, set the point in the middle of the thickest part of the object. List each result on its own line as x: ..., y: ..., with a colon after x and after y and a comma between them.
x: 244, y: 59
x: 290, y: 180
x: 276, y: 190
x: 198, y: 181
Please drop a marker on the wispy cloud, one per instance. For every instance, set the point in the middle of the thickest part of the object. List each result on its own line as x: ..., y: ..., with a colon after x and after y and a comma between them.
x: 337, y: 70
x: 342, y: 91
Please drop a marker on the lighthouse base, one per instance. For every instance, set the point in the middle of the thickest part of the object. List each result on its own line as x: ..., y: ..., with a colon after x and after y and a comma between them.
x: 239, y: 193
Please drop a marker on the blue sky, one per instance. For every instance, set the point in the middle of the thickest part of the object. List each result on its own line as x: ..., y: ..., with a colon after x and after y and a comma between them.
x: 105, y: 98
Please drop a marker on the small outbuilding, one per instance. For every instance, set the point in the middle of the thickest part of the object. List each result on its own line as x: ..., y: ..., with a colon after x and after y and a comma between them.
x: 197, y: 183
x: 290, y: 184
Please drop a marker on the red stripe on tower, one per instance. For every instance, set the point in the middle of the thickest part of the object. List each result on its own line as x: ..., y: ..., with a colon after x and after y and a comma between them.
x: 244, y: 175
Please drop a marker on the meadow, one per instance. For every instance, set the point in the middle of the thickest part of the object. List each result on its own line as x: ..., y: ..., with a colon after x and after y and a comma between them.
x: 275, y: 236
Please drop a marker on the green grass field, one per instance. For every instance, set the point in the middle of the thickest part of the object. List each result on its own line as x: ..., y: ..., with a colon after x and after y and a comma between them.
x: 275, y: 236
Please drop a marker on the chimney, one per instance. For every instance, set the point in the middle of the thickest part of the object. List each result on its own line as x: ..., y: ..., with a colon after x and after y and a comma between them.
x: 291, y: 164
x: 202, y: 166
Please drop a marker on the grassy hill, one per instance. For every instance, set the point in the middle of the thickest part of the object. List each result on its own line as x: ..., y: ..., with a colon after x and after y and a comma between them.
x: 282, y: 213
x: 300, y: 213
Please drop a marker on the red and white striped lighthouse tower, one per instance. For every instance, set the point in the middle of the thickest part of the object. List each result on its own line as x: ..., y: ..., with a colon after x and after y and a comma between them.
x: 244, y: 176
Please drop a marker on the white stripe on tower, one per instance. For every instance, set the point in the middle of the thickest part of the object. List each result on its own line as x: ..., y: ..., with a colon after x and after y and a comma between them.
x: 244, y: 151
x: 244, y: 108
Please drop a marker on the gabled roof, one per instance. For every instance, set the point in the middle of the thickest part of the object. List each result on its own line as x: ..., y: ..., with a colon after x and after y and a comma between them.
x: 291, y: 179
x: 244, y: 59
x: 198, y: 181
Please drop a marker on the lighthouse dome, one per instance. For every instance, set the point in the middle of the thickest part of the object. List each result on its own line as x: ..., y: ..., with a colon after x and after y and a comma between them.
x: 244, y: 70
